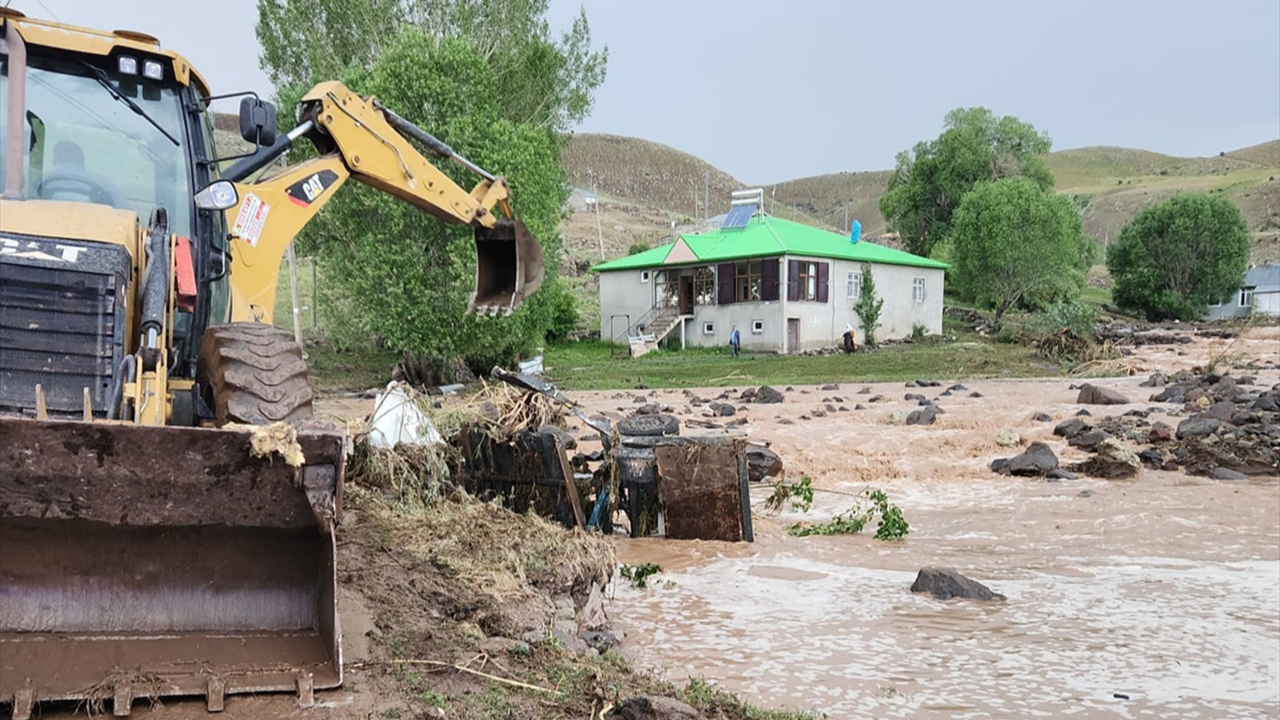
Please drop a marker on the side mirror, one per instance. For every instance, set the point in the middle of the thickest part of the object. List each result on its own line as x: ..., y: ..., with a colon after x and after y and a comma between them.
x: 258, y: 121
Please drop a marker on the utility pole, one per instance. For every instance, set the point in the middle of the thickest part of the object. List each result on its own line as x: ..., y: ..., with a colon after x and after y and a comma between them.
x: 595, y: 194
x: 847, y: 229
x: 706, y: 195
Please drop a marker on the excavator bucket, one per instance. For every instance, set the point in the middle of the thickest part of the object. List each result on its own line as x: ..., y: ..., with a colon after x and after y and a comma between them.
x: 509, y: 268
x: 139, y: 562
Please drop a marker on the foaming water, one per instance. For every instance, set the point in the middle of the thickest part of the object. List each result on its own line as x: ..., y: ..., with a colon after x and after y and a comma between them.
x: 1162, y: 590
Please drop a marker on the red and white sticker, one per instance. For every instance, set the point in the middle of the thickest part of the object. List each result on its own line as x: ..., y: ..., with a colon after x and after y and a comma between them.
x: 250, y: 219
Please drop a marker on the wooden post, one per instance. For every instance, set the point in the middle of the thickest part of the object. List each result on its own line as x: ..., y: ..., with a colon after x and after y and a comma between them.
x: 293, y: 294
x: 571, y: 487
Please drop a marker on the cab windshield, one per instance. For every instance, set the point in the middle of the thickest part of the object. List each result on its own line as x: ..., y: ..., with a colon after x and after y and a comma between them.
x: 83, y: 144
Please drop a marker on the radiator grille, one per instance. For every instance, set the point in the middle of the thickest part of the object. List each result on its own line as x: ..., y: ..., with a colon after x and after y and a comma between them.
x: 61, y: 326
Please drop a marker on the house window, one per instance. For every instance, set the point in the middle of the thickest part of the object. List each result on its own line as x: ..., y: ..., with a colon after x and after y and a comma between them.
x: 853, y: 285
x: 808, y: 281
x: 1246, y: 297
x: 917, y: 290
x: 708, y: 328
x: 704, y: 286
x: 747, y: 280
x: 667, y: 288
x: 644, y: 276
x: 757, y: 326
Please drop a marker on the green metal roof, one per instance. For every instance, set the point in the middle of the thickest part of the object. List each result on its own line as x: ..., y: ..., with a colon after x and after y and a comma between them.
x: 769, y: 237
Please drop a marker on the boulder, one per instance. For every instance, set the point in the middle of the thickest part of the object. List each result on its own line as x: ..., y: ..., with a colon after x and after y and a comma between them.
x: 1089, y: 441
x: 1008, y: 437
x: 1071, y: 428
x: 1094, y: 395
x: 831, y: 386
x: 1226, y: 473
x: 767, y: 394
x: 1061, y: 474
x: 762, y: 462
x: 719, y: 409
x: 1156, y: 380
x: 1160, y: 432
x: 1113, y: 460
x: 654, y: 707
x: 1197, y: 426
x: 748, y: 394
x: 500, y: 645
x: 928, y: 383
x: 975, y: 394
x: 1037, y: 459
x: 1221, y: 411
x: 1041, y: 417
x: 925, y: 416
x: 945, y: 583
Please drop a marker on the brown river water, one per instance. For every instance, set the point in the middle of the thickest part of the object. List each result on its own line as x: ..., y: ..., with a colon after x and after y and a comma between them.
x: 1156, y: 597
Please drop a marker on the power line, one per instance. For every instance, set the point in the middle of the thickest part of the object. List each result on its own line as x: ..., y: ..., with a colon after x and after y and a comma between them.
x: 46, y: 9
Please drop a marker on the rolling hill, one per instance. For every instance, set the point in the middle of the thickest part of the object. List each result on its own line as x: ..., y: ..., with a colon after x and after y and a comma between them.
x: 1113, y: 183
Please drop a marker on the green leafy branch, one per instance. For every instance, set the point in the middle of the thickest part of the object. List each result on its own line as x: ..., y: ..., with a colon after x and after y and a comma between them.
x: 800, y: 494
x: 892, y: 525
x: 638, y: 575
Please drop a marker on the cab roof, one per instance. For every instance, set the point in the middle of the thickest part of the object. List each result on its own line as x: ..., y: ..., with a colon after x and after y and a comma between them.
x: 47, y: 33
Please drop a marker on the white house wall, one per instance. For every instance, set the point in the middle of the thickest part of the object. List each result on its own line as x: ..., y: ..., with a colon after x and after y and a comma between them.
x: 821, y: 324
x: 622, y: 293
x: 1267, y: 303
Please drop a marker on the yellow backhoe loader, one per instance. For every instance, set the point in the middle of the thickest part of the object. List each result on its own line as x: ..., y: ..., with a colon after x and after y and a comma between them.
x: 151, y: 542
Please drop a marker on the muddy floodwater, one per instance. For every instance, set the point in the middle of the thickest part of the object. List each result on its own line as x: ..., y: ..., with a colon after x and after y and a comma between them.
x: 1155, y: 597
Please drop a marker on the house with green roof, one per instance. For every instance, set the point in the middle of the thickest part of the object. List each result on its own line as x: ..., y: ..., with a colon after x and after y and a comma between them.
x: 788, y: 287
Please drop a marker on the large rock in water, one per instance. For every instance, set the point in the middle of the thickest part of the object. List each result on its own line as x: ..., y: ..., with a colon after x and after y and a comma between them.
x: 1094, y: 395
x: 1112, y: 461
x: 1197, y: 426
x: 925, y: 416
x: 653, y: 707
x: 767, y: 394
x: 1037, y: 459
x: 945, y: 583
x: 762, y: 462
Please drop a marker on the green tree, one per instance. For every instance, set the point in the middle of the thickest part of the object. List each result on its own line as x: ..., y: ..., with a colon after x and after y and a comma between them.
x: 1175, y: 258
x: 1014, y: 243
x: 868, y: 307
x: 545, y: 81
x: 930, y: 181
x: 398, y: 273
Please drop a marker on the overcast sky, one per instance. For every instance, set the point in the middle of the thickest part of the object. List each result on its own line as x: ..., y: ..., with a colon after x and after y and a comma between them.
x: 781, y: 89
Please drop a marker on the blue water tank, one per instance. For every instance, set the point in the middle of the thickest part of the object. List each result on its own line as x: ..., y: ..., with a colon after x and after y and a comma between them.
x: 855, y: 231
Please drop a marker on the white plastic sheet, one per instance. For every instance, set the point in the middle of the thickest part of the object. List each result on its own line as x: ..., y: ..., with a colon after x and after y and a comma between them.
x: 398, y: 419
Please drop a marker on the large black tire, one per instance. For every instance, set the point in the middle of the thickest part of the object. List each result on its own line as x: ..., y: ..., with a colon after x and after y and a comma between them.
x: 649, y: 425
x: 254, y: 374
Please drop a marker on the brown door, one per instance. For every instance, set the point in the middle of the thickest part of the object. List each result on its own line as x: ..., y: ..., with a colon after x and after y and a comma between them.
x: 686, y: 295
x: 793, y: 335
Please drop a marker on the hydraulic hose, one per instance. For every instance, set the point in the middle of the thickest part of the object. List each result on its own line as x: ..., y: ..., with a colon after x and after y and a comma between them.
x: 128, y: 366
x: 155, y: 286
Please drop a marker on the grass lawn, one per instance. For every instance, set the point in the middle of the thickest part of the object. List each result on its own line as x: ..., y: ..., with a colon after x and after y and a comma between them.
x: 588, y: 365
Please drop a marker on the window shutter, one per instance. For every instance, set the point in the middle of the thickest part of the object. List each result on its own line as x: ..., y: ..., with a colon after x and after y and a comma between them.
x: 824, y: 281
x: 725, y: 289
x: 769, y: 279
x: 793, y: 280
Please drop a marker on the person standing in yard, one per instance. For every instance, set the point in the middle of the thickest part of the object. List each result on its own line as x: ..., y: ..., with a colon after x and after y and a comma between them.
x: 850, y: 344
x: 735, y: 340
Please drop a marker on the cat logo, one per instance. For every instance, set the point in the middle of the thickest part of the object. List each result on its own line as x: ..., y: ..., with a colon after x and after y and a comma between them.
x: 32, y: 250
x: 312, y: 187
x: 305, y: 191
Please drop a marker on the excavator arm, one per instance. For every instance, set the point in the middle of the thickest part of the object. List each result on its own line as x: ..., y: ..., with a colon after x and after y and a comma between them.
x: 358, y: 137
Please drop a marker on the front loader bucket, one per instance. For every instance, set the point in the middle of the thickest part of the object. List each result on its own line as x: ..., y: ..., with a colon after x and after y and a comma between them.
x: 141, y: 562
x: 509, y: 268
